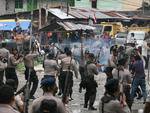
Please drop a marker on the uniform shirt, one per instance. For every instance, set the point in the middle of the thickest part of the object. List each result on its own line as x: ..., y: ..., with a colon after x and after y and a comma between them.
x: 124, y: 76
x: 5, y: 108
x: 50, y: 67
x: 113, y: 106
x: 29, y: 59
x: 12, y: 61
x: 69, y: 62
x: 92, y: 69
x: 36, y: 103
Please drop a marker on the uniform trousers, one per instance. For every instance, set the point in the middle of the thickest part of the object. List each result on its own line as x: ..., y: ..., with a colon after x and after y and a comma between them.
x: 11, y: 74
x: 67, y: 82
x: 32, y: 81
x: 1, y: 76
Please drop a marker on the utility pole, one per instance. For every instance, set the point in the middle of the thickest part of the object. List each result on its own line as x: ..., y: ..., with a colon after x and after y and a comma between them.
x: 40, y: 14
x: 31, y: 30
x: 47, y: 7
x: 143, y: 6
x: 61, y: 7
x: 67, y: 7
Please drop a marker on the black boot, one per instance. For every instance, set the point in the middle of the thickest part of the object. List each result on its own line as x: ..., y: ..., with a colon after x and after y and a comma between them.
x: 92, y: 108
x: 85, y: 105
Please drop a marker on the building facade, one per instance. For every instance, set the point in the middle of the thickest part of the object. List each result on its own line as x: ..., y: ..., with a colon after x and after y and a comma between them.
x: 7, y: 7
x: 28, y: 5
x: 119, y: 5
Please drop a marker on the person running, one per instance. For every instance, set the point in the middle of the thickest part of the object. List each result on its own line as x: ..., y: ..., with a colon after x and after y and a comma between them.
x: 139, y: 78
x: 48, y: 85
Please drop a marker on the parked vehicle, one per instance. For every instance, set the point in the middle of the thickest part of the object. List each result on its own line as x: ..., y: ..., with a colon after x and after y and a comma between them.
x: 139, y: 37
x: 121, y: 38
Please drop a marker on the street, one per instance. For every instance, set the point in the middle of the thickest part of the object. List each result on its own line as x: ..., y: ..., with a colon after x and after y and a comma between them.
x: 76, y: 105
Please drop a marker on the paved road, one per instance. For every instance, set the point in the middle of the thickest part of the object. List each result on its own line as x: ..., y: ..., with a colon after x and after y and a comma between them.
x: 76, y: 106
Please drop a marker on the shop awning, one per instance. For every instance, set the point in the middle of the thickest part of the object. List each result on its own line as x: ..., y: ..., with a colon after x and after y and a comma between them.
x: 10, y: 24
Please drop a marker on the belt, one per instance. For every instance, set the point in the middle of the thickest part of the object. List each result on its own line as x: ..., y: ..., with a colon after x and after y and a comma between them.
x: 68, y: 70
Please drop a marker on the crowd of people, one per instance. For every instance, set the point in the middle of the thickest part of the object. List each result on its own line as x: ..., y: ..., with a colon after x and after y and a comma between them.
x: 125, y: 71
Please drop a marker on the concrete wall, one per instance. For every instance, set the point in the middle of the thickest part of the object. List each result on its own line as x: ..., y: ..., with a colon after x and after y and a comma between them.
x: 2, y: 7
x: 120, y: 5
x: 10, y: 6
x: 7, y: 6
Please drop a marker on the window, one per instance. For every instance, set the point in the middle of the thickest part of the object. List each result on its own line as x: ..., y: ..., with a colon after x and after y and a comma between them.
x: 19, y: 4
x: 108, y: 29
x: 94, y: 3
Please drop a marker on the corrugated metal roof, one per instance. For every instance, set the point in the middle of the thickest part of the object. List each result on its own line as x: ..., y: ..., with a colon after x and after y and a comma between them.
x: 87, y: 13
x: 98, y: 14
x: 69, y: 26
x: 83, y: 13
x: 60, y: 14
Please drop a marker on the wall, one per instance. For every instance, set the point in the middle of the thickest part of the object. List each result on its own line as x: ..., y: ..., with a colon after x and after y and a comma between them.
x: 131, y: 5
x: 7, y: 8
x: 2, y: 7
x: 10, y: 6
x: 24, y: 7
x: 111, y: 4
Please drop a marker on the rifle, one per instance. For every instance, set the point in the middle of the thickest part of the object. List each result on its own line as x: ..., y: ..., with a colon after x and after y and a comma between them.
x: 27, y: 94
x: 121, y: 88
x: 97, y: 57
x: 82, y: 55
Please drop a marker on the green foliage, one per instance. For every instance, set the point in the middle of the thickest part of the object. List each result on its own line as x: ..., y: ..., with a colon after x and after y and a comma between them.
x: 21, y: 68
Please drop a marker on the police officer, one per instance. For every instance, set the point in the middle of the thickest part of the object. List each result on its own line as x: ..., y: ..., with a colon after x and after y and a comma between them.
x: 124, y: 76
x: 13, y: 60
x: 109, y: 103
x: 4, y: 55
x: 59, y: 58
x: 6, y: 99
x: 91, y: 84
x: 68, y: 66
x: 50, y: 65
x: 48, y: 85
x: 29, y: 71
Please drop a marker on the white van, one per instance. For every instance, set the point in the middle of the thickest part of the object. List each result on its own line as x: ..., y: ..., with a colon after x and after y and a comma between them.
x: 138, y: 35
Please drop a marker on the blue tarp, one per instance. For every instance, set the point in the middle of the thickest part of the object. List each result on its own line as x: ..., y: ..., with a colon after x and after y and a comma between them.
x: 9, y: 26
